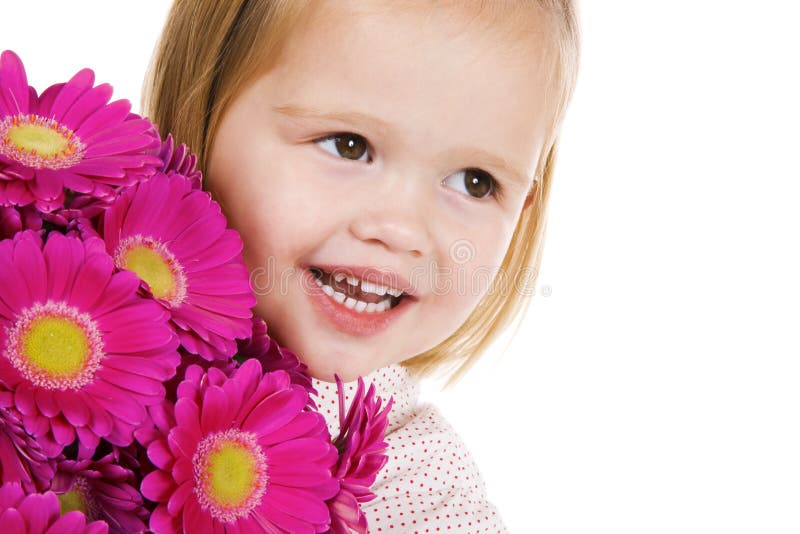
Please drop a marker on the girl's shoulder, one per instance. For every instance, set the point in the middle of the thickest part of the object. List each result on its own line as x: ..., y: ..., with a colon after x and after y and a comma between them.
x: 430, y: 481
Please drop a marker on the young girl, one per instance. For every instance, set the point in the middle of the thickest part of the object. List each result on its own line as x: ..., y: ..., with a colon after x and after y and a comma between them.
x: 388, y: 167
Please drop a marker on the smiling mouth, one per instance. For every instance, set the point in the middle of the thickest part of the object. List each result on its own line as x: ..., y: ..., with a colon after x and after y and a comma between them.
x: 356, y: 294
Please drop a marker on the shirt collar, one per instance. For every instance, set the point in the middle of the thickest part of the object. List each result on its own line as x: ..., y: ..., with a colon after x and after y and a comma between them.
x: 391, y: 381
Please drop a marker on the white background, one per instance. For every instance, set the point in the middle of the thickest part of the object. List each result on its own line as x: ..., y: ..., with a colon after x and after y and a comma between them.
x: 656, y: 388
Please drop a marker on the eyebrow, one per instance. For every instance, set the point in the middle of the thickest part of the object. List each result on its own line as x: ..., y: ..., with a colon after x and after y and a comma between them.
x: 356, y: 117
x: 353, y: 117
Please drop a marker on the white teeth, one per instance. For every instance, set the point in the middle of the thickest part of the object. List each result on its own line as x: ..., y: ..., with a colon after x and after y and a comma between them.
x: 373, y: 288
x: 355, y: 304
x: 368, y: 287
x: 394, y: 292
x: 378, y: 289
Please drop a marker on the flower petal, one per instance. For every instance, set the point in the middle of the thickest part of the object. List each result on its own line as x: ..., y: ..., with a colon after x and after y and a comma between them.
x: 14, y: 94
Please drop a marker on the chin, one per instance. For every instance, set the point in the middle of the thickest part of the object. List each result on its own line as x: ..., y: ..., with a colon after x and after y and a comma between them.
x: 324, y: 371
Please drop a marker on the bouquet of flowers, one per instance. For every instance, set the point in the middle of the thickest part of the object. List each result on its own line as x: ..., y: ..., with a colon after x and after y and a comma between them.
x: 137, y: 390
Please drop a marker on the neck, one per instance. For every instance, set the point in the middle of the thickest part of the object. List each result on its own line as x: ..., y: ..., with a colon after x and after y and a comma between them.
x: 390, y: 381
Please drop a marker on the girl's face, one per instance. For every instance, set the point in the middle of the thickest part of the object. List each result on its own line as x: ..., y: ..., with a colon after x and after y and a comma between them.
x: 386, y: 138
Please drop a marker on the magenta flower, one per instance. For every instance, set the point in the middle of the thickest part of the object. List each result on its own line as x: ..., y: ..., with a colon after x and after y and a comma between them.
x: 70, y: 136
x: 175, y: 238
x: 361, y: 448
x: 180, y: 161
x: 101, y: 489
x: 161, y: 419
x: 81, y: 351
x: 15, y: 219
x: 76, y: 207
x: 162, y: 416
x: 21, y: 457
x: 40, y: 513
x: 244, y: 456
x: 83, y: 229
x: 274, y: 357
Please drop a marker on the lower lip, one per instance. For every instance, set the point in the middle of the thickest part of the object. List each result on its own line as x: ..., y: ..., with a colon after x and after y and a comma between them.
x: 347, y: 320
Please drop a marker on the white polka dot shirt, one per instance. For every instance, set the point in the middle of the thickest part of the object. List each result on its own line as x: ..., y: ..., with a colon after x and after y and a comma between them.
x: 430, y: 483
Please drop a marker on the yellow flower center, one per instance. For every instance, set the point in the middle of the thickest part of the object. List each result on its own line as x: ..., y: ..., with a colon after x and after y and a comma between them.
x: 153, y: 269
x: 155, y: 265
x: 39, y: 142
x: 72, y: 501
x: 230, y: 472
x: 34, y: 137
x: 79, y: 498
x: 55, y: 346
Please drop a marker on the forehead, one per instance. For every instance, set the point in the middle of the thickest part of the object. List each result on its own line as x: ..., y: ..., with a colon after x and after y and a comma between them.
x: 437, y: 73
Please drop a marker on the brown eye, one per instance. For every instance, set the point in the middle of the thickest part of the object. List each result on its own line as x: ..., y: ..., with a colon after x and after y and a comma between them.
x: 474, y: 182
x: 345, y: 145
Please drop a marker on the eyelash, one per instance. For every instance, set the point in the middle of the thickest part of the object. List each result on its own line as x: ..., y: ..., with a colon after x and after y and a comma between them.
x: 496, y: 188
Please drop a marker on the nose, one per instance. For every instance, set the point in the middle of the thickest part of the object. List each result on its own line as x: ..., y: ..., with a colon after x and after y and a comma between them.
x: 395, y: 214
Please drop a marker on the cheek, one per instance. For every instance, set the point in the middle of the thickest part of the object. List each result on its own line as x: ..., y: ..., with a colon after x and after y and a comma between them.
x: 469, y: 283
x: 282, y: 209
x: 472, y: 265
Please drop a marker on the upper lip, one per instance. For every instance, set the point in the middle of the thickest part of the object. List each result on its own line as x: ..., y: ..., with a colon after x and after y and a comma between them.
x: 384, y: 277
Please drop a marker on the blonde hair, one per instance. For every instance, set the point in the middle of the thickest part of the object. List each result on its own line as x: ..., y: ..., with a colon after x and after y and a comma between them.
x: 210, y: 49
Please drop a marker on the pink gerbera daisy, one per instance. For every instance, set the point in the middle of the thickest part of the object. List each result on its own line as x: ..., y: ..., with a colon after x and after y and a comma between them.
x: 362, y: 449
x: 175, y: 238
x: 244, y: 456
x: 70, y: 136
x: 82, y: 352
x: 40, y: 513
x: 101, y: 489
